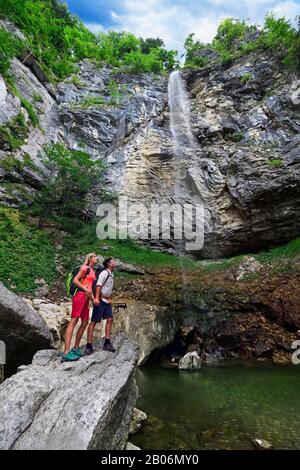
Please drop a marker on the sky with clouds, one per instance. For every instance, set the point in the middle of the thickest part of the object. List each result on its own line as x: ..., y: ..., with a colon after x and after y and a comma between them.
x: 173, y: 20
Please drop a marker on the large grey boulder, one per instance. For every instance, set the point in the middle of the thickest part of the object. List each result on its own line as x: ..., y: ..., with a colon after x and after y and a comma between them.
x: 23, y: 331
x: 190, y: 361
x: 82, y: 405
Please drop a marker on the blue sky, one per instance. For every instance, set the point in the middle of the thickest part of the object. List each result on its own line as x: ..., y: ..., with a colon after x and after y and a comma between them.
x: 174, y: 20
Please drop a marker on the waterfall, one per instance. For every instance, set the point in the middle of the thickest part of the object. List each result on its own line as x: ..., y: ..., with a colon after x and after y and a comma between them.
x: 183, y: 142
x: 180, y: 122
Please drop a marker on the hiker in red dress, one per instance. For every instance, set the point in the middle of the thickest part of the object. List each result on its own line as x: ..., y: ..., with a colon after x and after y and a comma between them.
x: 80, y: 306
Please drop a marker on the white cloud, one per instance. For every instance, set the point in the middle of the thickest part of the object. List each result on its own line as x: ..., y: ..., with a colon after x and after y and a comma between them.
x: 171, y: 22
x: 95, y: 27
x: 289, y: 9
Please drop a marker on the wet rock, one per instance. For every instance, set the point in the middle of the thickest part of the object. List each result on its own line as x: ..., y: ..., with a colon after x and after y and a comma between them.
x: 190, y: 361
x: 43, y: 402
x: 261, y: 444
x: 22, y: 329
x: 138, y: 420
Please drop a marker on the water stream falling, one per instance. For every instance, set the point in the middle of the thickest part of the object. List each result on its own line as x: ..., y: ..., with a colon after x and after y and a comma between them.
x: 180, y: 121
x: 183, y: 143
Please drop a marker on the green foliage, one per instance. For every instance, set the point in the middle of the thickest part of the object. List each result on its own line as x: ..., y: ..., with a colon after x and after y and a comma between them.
x: 233, y: 40
x: 150, y: 43
x: 75, y: 80
x: 228, y: 31
x: 246, y: 77
x: 136, y: 55
x: 114, y: 92
x: 73, y: 173
x: 90, y: 100
x: 9, y: 47
x: 278, y: 33
x: 37, y: 98
x: 253, y: 276
x: 56, y: 38
x: 25, y: 253
x: 288, y: 251
x: 193, y: 49
x: 13, y: 134
x: 138, y: 62
x: 30, y: 110
x: 26, y: 105
x: 276, y: 163
x: 236, y: 136
x: 59, y: 40
x: 11, y: 163
x: 114, y: 46
x: 85, y: 240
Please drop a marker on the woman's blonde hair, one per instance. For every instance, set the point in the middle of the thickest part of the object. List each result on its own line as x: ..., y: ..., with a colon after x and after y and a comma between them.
x: 88, y: 258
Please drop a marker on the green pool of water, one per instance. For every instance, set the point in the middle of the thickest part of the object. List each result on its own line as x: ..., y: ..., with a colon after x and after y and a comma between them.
x: 219, y: 408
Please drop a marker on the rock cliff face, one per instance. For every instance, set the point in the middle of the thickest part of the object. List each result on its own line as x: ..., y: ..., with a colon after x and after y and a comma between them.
x: 245, y: 166
x: 21, y: 329
x: 83, y: 405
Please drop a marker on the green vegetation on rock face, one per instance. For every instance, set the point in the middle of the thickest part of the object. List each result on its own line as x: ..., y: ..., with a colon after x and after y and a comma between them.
x: 32, y: 114
x: 236, y: 38
x: 279, y: 255
x: 25, y: 253
x: 28, y: 253
x: 276, y: 162
x: 59, y: 40
x: 73, y: 173
x: 236, y: 136
x: 84, y: 239
x: 288, y: 251
x: 9, y: 47
x: 13, y: 134
x: 11, y: 163
x: 246, y: 77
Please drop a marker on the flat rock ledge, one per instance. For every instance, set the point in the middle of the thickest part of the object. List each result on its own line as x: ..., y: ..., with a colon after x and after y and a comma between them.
x: 87, y: 404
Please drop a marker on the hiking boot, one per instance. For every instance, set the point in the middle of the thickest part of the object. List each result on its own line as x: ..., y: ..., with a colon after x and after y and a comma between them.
x: 77, y: 352
x: 69, y: 357
x: 108, y: 347
x: 89, y: 350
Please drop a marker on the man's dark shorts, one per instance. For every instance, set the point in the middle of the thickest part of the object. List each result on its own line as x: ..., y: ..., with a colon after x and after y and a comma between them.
x: 103, y: 311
